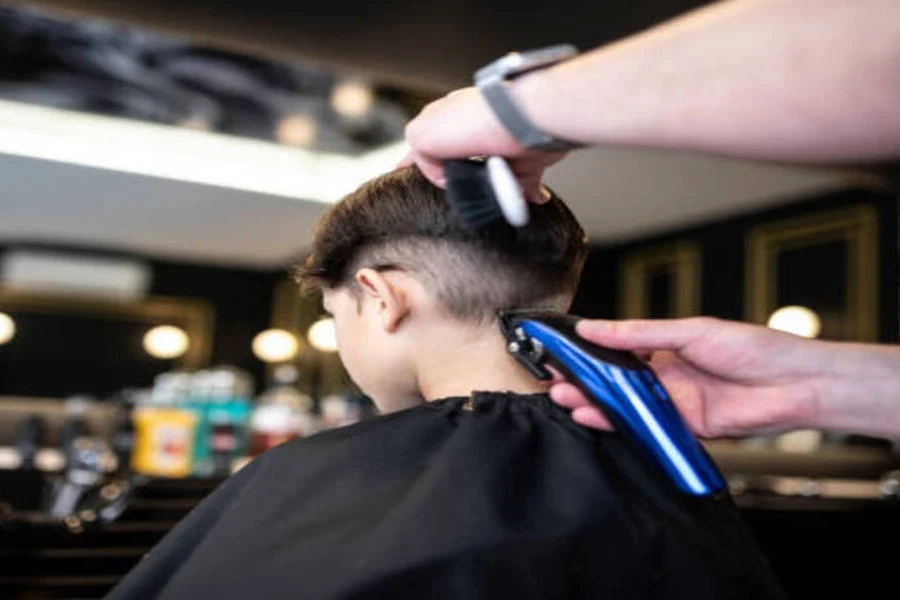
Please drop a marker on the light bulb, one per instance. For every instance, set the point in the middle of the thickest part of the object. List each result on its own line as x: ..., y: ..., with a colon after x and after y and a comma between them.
x: 166, y: 341
x: 322, y: 335
x: 7, y: 328
x: 275, y: 345
x: 297, y: 130
x: 798, y: 320
x: 352, y: 99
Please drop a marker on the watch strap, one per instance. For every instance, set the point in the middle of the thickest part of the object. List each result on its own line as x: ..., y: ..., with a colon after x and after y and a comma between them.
x: 496, y: 92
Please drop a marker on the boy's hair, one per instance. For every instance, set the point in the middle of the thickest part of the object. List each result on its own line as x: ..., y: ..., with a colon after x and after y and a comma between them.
x: 401, y: 220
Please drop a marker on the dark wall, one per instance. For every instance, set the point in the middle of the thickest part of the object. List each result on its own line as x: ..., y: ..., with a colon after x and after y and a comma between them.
x: 722, y: 246
x: 242, y: 300
x: 61, y: 355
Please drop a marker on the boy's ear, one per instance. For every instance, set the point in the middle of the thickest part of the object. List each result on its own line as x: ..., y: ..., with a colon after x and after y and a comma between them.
x: 392, y: 301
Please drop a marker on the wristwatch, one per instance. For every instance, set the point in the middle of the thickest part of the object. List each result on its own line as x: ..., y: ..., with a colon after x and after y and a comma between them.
x: 492, y: 80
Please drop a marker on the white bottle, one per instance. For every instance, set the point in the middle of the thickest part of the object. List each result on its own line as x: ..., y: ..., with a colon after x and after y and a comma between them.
x: 282, y: 413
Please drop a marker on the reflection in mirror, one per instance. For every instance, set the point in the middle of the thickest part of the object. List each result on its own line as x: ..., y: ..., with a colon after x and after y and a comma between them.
x: 827, y: 262
x: 661, y: 282
x: 817, y: 276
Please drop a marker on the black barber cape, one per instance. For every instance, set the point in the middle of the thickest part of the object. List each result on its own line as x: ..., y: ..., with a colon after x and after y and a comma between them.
x: 493, y: 497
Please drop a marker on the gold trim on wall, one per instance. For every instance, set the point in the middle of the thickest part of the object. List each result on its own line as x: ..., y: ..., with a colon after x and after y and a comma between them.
x: 681, y: 258
x: 858, y: 226
x: 196, y: 317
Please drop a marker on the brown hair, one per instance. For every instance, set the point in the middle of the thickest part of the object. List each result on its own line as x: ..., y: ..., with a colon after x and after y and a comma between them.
x: 400, y: 220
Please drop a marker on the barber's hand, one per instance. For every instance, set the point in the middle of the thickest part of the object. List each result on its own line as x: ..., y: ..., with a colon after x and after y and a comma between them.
x: 462, y: 125
x: 727, y: 378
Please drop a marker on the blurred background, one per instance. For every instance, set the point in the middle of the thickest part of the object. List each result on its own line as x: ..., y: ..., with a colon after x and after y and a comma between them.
x: 162, y: 165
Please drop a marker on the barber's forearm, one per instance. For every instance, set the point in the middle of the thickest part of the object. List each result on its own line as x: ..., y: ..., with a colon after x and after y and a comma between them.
x: 808, y: 81
x: 859, y: 391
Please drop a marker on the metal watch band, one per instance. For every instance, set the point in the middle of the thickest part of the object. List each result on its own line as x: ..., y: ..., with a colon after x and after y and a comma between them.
x: 519, y: 126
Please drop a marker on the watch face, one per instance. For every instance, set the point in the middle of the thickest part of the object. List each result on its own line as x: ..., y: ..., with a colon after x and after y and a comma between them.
x: 516, y: 63
x: 546, y: 56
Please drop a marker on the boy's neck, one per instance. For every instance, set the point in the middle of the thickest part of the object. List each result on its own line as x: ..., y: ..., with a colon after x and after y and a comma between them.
x: 470, y: 359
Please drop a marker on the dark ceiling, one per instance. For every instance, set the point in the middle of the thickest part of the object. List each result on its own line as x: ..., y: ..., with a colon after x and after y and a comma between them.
x: 431, y: 46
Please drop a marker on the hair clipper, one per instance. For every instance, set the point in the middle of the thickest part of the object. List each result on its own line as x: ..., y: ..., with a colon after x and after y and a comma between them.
x: 622, y: 386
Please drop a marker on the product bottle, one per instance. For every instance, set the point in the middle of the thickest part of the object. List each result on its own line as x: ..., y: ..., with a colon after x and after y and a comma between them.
x: 340, y: 410
x: 123, y: 439
x: 75, y: 427
x: 30, y: 438
x: 164, y: 429
x: 282, y: 413
x: 199, y: 403
x: 228, y: 417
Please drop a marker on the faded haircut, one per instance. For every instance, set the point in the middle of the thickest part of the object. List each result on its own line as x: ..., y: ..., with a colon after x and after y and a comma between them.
x: 401, y: 221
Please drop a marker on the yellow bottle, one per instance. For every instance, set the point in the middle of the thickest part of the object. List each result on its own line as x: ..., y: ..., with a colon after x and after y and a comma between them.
x: 164, y: 441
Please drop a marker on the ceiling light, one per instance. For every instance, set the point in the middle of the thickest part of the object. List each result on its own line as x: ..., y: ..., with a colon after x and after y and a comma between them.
x: 182, y: 154
x: 195, y: 122
x: 352, y: 99
x: 322, y: 336
x: 166, y: 342
x: 800, y: 441
x: 275, y: 345
x: 798, y: 320
x: 297, y: 130
x: 7, y: 328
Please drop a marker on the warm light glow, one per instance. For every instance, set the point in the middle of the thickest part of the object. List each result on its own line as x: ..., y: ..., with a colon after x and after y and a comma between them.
x: 166, y: 341
x: 322, y: 336
x: 798, y: 320
x: 297, y: 130
x: 275, y: 345
x: 352, y: 99
x: 7, y: 328
x: 800, y: 441
x: 195, y: 122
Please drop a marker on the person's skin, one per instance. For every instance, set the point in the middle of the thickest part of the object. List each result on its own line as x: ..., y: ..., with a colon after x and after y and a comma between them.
x: 737, y: 379
x: 402, y: 348
x: 812, y: 82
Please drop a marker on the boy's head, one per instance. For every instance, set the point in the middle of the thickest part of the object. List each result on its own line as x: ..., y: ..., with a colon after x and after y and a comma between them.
x: 394, y: 266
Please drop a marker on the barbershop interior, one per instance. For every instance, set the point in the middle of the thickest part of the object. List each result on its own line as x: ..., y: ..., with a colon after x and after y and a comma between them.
x: 164, y: 166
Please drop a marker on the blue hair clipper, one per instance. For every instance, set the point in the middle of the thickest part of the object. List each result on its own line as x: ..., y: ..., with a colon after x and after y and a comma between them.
x: 622, y: 386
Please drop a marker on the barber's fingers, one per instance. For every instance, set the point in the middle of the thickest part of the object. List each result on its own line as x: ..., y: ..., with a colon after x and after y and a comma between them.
x: 432, y: 169
x: 407, y: 160
x: 529, y: 168
x: 532, y: 187
x: 646, y: 334
x: 557, y: 376
x: 567, y: 395
x: 590, y: 417
x: 534, y: 190
x: 583, y: 412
